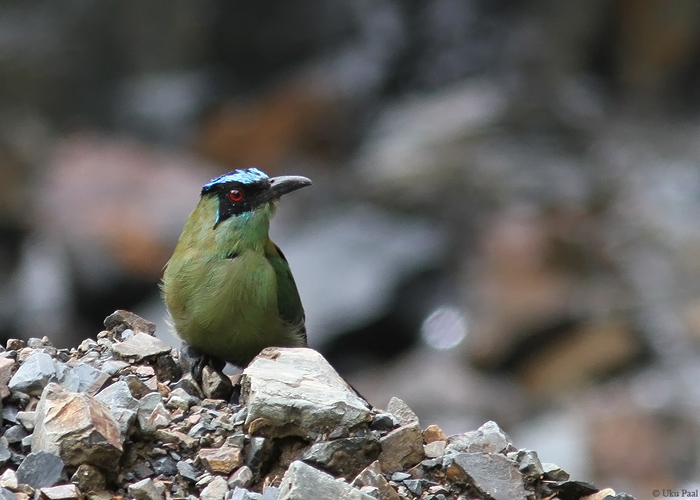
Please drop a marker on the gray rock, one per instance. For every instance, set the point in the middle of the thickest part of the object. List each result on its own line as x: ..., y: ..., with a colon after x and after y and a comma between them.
x: 66, y: 377
x: 435, y: 449
x: 62, y: 492
x: 113, y: 366
x: 215, y: 490
x: 529, y: 464
x: 188, y: 471
x: 241, y: 478
x: 400, y: 410
x: 34, y: 374
x: 400, y: 476
x: 8, y: 479
x: 166, y: 465
x: 553, y: 472
x: 344, y: 457
x: 372, y: 477
x: 40, y: 469
x: 121, y: 320
x: 123, y: 406
x: 296, y: 392
x: 256, y: 452
x: 489, y: 438
x: 302, y: 482
x: 152, y: 414
x: 6, y: 494
x: 91, y: 380
x: 493, y: 475
x: 78, y: 428
x: 27, y: 419
x: 139, y: 347
x: 401, y: 448
x: 15, y: 434
x: 384, y: 422
x: 243, y: 494
x: 5, y: 453
x: 145, y: 490
x: 415, y: 486
x: 6, y: 367
x: 27, y: 442
x: 216, y: 385
x: 270, y: 493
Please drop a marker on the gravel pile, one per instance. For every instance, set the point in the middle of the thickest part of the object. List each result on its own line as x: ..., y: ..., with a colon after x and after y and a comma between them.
x: 122, y: 417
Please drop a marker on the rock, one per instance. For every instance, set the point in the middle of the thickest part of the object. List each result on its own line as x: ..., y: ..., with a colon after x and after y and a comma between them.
x: 492, y: 475
x: 302, y: 482
x: 6, y: 494
x: 181, y: 439
x: 243, y: 494
x: 433, y: 433
x: 5, y: 453
x: 152, y: 414
x: 415, y: 486
x: 112, y: 367
x: 220, y: 460
x: 136, y: 386
x: 27, y: 419
x: 344, y: 457
x: 242, y: 477
x: 435, y: 449
x: 9, y: 480
x: 529, y: 465
x: 6, y: 367
x: 400, y: 476
x: 62, y: 492
x: 187, y: 471
x: 404, y: 415
x: 78, y: 428
x: 123, y: 406
x: 256, y: 452
x: 145, y: 490
x: 91, y: 380
x: 384, y: 422
x: 489, y: 438
x: 216, y: 490
x: 166, y: 466
x: 215, y: 385
x: 179, y: 398
x: 89, y: 478
x: 553, y: 472
x: 120, y: 320
x: 34, y: 374
x: 40, y: 469
x: 15, y: 344
x: 295, y: 392
x: 372, y: 476
x: 15, y: 434
x: 139, y: 347
x: 401, y: 448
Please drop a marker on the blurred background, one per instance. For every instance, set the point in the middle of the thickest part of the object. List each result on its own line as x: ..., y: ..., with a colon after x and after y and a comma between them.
x: 504, y: 221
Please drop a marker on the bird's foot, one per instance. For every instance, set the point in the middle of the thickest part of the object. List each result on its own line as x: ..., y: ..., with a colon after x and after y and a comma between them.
x: 207, y: 371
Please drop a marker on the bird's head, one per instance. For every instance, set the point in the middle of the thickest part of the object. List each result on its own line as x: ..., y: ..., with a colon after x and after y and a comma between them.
x: 245, y: 191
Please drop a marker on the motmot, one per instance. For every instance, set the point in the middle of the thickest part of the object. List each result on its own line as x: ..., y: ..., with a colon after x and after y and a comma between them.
x: 228, y: 287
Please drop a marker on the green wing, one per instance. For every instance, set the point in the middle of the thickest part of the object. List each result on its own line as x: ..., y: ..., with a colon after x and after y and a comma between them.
x: 288, y: 302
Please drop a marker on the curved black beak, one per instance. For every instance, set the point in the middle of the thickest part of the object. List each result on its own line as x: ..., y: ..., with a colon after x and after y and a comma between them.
x: 286, y: 184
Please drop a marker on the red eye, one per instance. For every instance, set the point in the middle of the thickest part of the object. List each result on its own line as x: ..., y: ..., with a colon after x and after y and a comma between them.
x: 235, y: 195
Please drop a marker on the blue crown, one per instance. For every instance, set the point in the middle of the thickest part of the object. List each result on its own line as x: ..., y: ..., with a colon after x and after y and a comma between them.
x: 244, y: 176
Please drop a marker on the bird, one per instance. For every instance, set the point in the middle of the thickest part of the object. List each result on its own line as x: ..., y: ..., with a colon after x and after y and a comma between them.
x: 228, y: 288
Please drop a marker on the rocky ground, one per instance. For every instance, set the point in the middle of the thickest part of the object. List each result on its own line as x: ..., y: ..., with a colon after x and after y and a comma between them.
x: 122, y: 417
